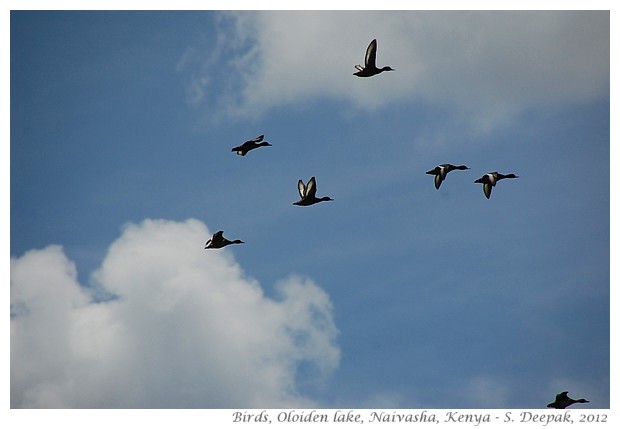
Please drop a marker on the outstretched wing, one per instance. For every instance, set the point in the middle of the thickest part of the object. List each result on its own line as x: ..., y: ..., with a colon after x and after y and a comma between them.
x: 301, y: 188
x: 433, y: 171
x: 438, y: 180
x: 371, y: 54
x: 486, y: 188
x: 256, y: 139
x: 311, y: 188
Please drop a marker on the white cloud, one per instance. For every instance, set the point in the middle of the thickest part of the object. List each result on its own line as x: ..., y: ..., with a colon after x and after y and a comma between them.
x: 487, y: 65
x: 188, y: 330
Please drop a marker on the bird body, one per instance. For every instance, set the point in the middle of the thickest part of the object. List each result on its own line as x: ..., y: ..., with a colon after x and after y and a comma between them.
x: 370, y: 66
x: 489, y: 180
x: 250, y: 145
x: 442, y: 170
x: 562, y: 401
x: 218, y: 241
x: 307, y: 192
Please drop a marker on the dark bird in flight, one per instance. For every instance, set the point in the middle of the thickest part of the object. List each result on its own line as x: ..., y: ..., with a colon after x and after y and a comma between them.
x: 218, y: 241
x: 370, y: 67
x: 308, y: 193
x: 442, y: 170
x: 249, y: 145
x: 562, y: 401
x: 490, y: 179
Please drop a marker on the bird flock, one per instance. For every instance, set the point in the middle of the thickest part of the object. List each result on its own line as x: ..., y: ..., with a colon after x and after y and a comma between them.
x: 307, y: 191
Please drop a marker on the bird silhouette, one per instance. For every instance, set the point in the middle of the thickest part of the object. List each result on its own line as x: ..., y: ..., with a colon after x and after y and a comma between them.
x: 442, y: 170
x: 370, y: 67
x: 308, y: 193
x: 218, y: 241
x: 562, y: 401
x: 250, y: 145
x: 489, y: 180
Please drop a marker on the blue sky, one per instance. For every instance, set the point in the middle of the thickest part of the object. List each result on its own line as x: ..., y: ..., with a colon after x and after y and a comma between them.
x: 394, y: 295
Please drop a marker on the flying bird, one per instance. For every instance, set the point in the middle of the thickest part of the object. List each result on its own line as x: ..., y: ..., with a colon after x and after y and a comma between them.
x: 562, y: 401
x: 308, y: 193
x: 489, y: 180
x: 370, y: 67
x: 249, y: 145
x: 442, y: 170
x: 218, y: 241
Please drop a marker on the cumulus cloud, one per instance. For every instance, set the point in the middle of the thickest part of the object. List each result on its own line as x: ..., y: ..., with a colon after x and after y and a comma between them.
x: 188, y: 329
x: 487, y: 66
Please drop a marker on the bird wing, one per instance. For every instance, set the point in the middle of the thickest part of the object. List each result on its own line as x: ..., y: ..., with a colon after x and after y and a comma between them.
x: 438, y: 180
x: 256, y: 139
x: 371, y: 54
x: 218, y: 236
x: 301, y: 188
x: 486, y: 188
x: 311, y: 188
